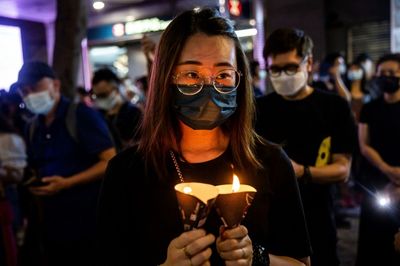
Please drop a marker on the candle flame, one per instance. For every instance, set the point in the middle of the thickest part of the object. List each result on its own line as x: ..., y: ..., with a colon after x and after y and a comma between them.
x: 187, y: 190
x: 235, y: 184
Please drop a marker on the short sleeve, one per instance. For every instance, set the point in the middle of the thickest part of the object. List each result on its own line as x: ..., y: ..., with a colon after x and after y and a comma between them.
x: 344, y: 131
x: 93, y: 133
x: 288, y: 234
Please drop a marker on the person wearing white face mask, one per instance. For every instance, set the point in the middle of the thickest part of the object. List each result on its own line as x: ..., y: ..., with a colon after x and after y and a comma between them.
x: 67, y: 168
x: 122, y: 116
x: 331, y: 74
x: 315, y: 128
x: 356, y: 79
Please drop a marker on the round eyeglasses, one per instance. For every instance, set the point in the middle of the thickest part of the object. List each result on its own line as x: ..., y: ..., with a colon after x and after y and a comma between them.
x: 290, y: 69
x: 191, y: 82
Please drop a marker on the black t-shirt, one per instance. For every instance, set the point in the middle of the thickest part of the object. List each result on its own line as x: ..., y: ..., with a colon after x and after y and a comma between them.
x: 139, y: 215
x: 310, y: 131
x: 383, y: 123
x: 123, y: 125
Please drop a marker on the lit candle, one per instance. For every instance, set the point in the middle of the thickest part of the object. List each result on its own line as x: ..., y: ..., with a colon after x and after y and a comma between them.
x: 195, y: 202
x: 233, y: 202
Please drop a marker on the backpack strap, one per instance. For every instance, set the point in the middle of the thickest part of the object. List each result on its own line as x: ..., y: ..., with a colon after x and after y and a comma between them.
x: 32, y: 128
x: 70, y: 121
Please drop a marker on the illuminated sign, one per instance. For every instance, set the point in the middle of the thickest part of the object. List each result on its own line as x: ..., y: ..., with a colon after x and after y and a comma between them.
x: 118, y: 30
x: 235, y: 7
x: 145, y: 25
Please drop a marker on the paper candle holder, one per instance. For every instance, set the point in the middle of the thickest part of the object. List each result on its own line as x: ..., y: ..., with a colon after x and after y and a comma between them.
x: 195, y: 202
x: 232, y: 205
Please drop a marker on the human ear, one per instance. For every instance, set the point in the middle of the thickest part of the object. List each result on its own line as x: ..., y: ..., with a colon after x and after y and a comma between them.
x: 310, y: 62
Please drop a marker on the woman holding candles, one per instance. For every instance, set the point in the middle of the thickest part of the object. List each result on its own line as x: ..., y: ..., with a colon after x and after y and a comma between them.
x: 198, y: 127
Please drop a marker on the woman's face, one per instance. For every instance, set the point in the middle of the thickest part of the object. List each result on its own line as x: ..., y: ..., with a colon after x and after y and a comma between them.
x: 206, y: 80
x: 207, y: 55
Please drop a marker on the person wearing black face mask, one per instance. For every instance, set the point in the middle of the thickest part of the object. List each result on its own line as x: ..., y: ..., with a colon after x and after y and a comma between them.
x: 379, y: 131
x: 197, y: 127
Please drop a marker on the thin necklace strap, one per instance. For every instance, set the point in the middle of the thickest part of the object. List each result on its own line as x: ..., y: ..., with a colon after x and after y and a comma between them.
x: 178, y: 169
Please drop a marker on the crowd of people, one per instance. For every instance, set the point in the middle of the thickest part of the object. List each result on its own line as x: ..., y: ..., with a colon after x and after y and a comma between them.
x: 91, y: 181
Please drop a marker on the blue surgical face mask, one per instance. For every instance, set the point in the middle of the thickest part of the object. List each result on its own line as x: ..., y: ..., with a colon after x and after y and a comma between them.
x: 342, y: 69
x: 262, y: 74
x: 205, y: 110
x: 39, y: 103
x: 355, y: 74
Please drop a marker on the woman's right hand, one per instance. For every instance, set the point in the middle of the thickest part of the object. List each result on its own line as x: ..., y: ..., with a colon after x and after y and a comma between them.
x: 190, y: 248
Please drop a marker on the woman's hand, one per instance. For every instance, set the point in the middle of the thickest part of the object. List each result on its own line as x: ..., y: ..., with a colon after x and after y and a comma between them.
x: 235, y: 247
x: 190, y: 248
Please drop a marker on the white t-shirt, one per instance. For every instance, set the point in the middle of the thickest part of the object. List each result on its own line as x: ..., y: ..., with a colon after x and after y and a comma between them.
x: 12, y: 151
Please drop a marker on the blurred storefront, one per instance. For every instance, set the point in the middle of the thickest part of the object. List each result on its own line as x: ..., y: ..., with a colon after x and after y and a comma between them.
x: 118, y: 45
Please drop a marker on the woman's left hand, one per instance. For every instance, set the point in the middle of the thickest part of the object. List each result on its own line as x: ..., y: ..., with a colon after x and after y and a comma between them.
x: 234, y: 246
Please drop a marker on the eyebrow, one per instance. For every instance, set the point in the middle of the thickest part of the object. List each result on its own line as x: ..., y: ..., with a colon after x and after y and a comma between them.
x: 284, y: 65
x: 192, y: 62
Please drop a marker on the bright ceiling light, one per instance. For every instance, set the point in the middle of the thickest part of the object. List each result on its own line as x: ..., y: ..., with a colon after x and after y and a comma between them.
x: 98, y: 5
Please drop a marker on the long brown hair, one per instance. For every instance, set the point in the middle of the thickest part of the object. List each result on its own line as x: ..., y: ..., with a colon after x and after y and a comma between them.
x: 160, y: 131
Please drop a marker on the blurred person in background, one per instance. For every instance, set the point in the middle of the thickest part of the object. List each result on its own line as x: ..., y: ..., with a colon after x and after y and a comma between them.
x: 379, y: 131
x: 356, y: 80
x: 256, y: 78
x: 367, y: 64
x: 84, y: 96
x: 13, y: 107
x: 331, y: 72
x: 149, y: 48
x: 13, y: 160
x: 121, y: 115
x: 69, y: 146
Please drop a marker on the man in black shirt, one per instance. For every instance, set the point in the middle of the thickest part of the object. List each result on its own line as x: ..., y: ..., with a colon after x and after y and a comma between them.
x: 122, y: 116
x: 316, y: 129
x: 379, y: 132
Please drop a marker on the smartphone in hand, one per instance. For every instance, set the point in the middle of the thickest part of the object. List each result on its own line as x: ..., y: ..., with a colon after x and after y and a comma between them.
x: 34, y: 182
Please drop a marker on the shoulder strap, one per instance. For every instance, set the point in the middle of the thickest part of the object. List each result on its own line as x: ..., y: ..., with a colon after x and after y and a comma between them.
x: 32, y: 127
x: 70, y: 121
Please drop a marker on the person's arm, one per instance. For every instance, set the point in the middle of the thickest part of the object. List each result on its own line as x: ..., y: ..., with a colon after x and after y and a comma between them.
x: 58, y: 183
x: 337, y: 171
x: 342, y: 90
x: 93, y: 173
x: 373, y: 156
x: 287, y: 261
